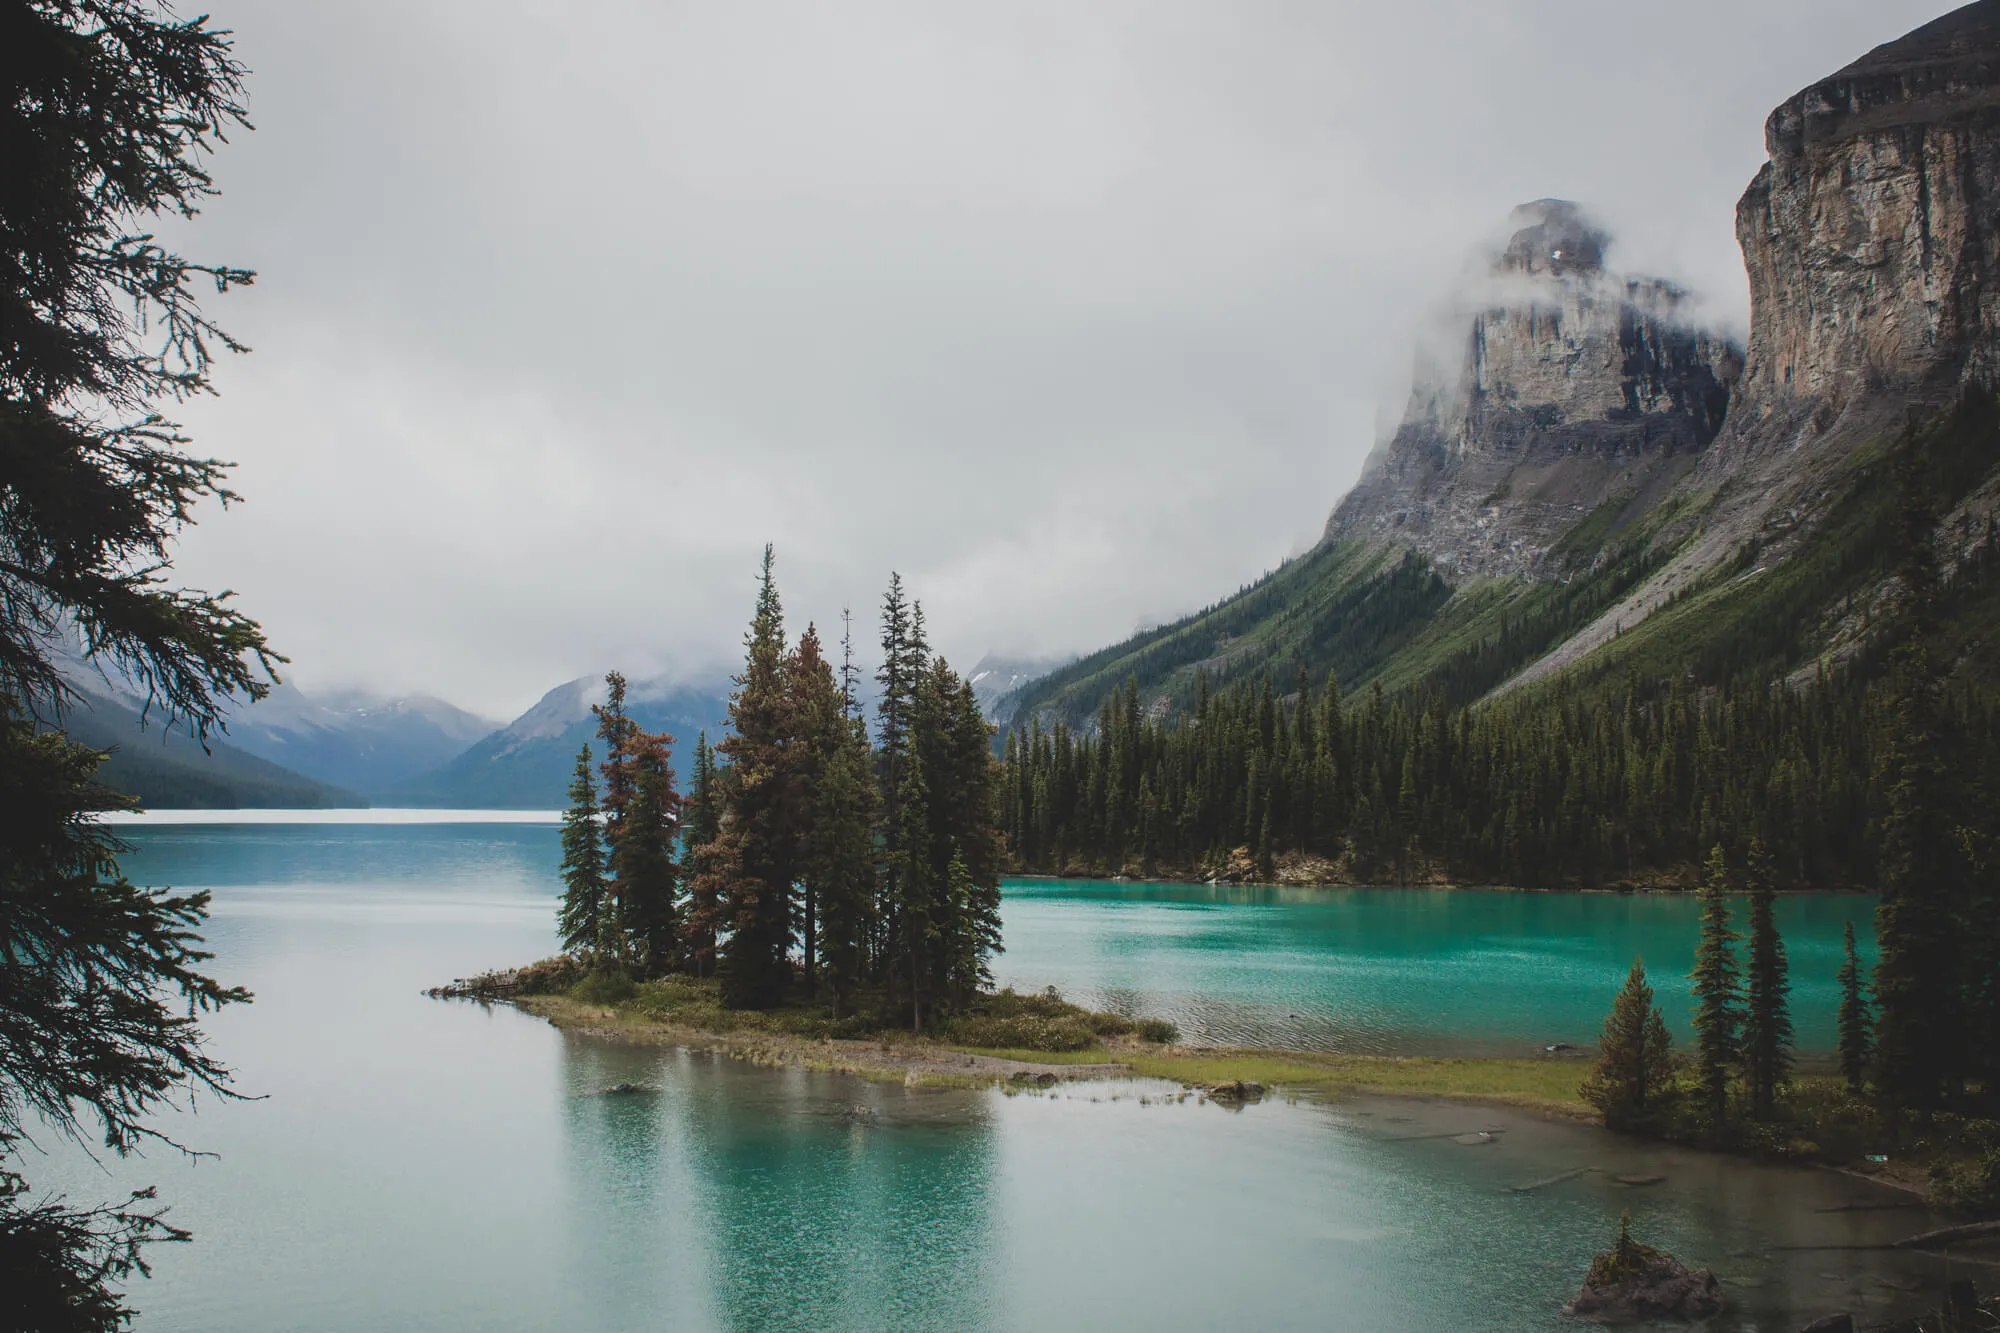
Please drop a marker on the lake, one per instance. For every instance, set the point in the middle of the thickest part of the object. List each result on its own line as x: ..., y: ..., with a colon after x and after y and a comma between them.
x: 422, y: 1164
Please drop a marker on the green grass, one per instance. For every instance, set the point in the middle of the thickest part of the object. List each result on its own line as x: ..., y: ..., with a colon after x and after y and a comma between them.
x: 1542, y: 1085
x: 1096, y: 1055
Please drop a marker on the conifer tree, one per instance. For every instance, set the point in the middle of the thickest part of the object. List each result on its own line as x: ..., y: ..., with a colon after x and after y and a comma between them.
x: 711, y: 866
x: 1918, y: 975
x: 1856, y: 1018
x: 1767, y: 1021
x: 819, y: 727
x: 1718, y: 1010
x: 840, y: 863
x: 753, y: 961
x: 910, y: 876
x: 647, y: 879
x: 584, y: 887
x: 1632, y: 1084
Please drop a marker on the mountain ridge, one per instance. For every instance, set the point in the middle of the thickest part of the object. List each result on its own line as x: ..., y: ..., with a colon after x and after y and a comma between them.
x: 1751, y: 536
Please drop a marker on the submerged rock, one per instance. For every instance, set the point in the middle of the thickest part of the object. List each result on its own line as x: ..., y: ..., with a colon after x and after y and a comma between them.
x: 1239, y: 1090
x: 1630, y: 1283
x: 625, y: 1089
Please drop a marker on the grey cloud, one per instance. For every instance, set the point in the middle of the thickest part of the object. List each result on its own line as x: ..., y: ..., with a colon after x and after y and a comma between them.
x: 1078, y: 315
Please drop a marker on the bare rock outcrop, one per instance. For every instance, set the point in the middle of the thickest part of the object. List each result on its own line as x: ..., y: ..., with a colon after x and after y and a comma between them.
x: 1576, y: 386
x: 1872, y: 236
x: 1631, y: 1283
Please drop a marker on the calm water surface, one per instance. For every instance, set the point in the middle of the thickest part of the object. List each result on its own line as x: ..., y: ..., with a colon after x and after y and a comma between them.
x: 418, y: 1164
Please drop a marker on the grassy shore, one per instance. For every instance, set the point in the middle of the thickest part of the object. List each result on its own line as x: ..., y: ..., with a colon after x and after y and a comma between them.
x: 1039, y: 1038
x: 1033, y: 1036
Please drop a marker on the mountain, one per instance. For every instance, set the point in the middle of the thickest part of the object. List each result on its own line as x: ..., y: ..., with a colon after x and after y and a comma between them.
x: 997, y: 680
x: 168, y: 769
x: 527, y: 763
x: 353, y: 739
x: 1594, y: 486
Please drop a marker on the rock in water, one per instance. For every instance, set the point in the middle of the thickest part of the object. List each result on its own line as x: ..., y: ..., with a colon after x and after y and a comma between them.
x: 1631, y: 1282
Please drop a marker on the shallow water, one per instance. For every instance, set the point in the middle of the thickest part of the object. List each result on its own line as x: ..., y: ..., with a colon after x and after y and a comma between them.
x: 419, y: 1164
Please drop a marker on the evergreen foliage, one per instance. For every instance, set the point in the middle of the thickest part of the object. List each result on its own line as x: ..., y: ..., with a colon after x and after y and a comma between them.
x: 1547, y: 788
x: 110, y: 112
x: 822, y: 866
x: 584, y: 888
x: 1718, y: 996
x: 1767, y: 1020
x: 1632, y: 1085
x: 1856, y: 1019
x: 1919, y: 977
x: 637, y: 921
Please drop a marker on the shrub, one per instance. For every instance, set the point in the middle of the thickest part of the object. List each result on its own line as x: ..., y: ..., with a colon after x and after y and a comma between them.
x: 1028, y: 1032
x: 1158, y: 1031
x: 1108, y: 1025
x: 551, y: 976
x: 604, y: 986
x: 1969, y: 1186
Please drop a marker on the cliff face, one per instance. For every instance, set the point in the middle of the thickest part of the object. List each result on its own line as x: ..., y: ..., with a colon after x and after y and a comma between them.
x: 1576, y: 387
x: 1872, y: 237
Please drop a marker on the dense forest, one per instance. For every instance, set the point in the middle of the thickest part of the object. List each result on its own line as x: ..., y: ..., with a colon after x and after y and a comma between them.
x: 1696, y: 728
x: 804, y: 862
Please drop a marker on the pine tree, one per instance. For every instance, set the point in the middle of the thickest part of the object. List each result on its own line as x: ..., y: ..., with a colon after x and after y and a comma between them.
x: 766, y: 812
x: 1632, y: 1084
x: 584, y: 887
x: 710, y: 865
x: 1718, y: 1011
x: 1918, y: 975
x: 110, y: 113
x: 1856, y: 1018
x: 1767, y: 1022
x: 840, y: 864
x: 647, y: 879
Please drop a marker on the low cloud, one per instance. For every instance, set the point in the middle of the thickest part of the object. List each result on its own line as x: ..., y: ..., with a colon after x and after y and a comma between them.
x: 1080, y: 316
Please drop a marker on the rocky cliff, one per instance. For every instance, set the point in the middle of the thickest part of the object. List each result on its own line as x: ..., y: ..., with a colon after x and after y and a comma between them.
x: 1872, y: 237
x: 1576, y: 387
x: 1593, y: 485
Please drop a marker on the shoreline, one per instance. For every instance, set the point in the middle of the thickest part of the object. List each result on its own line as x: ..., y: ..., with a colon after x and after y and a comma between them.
x: 1196, y: 881
x: 1542, y: 1085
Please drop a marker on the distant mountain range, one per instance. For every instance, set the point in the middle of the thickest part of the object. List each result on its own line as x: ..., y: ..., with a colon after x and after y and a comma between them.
x: 363, y: 742
x: 169, y: 769
x: 351, y: 748
x: 526, y: 764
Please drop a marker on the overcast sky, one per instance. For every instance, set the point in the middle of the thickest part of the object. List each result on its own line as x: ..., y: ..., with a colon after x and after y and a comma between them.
x: 1079, y: 315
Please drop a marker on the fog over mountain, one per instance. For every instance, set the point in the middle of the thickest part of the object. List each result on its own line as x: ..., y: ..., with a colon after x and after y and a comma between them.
x: 1079, y: 316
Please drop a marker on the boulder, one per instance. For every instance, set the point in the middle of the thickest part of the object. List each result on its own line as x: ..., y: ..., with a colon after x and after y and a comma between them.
x: 1238, y: 1090
x: 1633, y: 1283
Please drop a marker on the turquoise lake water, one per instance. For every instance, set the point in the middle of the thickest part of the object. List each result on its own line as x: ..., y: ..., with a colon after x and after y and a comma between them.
x: 418, y: 1164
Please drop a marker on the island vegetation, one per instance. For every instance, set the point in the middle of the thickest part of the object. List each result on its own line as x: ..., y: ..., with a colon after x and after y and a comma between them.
x: 806, y: 865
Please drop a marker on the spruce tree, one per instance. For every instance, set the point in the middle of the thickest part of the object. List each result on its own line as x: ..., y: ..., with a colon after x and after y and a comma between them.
x: 646, y: 885
x: 1918, y: 975
x: 110, y: 113
x: 1632, y: 1083
x: 1718, y: 1009
x: 1767, y: 1022
x: 584, y: 887
x: 765, y: 811
x: 840, y: 864
x: 707, y: 866
x: 1856, y: 1018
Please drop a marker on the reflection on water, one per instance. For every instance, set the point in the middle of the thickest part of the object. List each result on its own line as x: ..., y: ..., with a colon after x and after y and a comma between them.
x: 445, y: 1166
